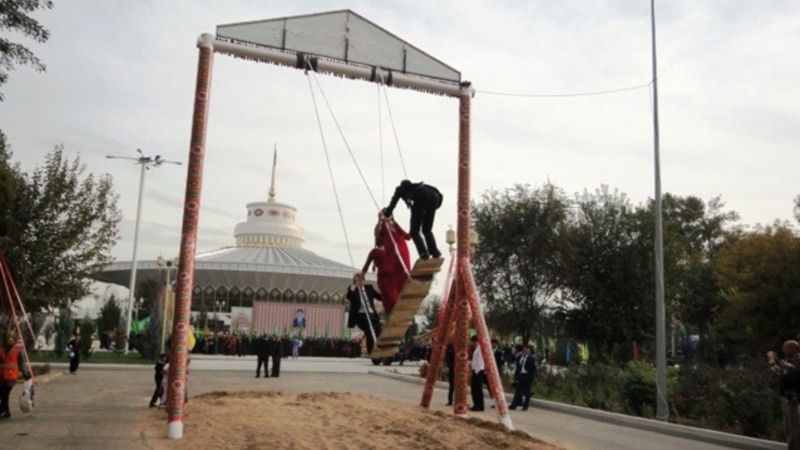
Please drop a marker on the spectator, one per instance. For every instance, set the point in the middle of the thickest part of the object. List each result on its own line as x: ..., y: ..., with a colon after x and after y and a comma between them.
x: 788, y: 369
x: 524, y: 374
x: 159, y: 378
x: 12, y: 364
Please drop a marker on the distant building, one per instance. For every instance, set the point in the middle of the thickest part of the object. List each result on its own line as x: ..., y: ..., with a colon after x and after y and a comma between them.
x: 262, y: 281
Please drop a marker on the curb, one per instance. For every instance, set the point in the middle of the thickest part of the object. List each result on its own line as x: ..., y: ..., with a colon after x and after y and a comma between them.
x: 684, y: 431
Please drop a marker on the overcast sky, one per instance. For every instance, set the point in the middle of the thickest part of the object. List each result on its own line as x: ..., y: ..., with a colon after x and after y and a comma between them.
x: 121, y: 75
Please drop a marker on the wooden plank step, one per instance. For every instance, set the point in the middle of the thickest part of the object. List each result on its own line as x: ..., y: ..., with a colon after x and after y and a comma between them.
x: 426, y: 268
x: 415, y: 288
x: 411, y: 296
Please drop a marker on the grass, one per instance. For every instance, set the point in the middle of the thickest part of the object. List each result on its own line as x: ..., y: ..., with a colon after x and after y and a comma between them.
x: 47, y: 356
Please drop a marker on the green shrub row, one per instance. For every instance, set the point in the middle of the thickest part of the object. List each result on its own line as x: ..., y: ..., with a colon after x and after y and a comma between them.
x: 742, y: 400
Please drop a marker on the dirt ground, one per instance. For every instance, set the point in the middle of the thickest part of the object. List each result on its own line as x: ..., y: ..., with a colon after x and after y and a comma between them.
x: 341, y: 421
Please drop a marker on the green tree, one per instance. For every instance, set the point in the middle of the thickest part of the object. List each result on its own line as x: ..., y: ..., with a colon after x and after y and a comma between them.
x: 64, y: 328
x: 797, y: 208
x: 757, y: 273
x: 110, y: 316
x: 88, y: 333
x: 516, y: 262
x: 606, y: 273
x: 15, y: 17
x: 58, y: 228
x: 693, y: 233
x: 430, y: 312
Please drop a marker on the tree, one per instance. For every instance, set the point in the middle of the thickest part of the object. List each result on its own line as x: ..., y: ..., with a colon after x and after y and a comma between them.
x: 110, y: 316
x: 693, y: 233
x: 430, y: 312
x: 14, y: 17
x: 64, y: 328
x: 57, y: 229
x: 606, y: 272
x: 757, y: 273
x: 516, y: 261
x: 797, y: 208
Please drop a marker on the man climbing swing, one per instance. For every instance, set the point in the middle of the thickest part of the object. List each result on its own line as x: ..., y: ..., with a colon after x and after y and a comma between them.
x: 423, y: 200
x: 362, y: 310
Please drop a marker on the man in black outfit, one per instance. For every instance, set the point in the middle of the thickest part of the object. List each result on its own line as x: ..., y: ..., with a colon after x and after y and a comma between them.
x: 262, y: 352
x: 277, y: 354
x: 524, y: 374
x: 450, y: 360
x: 362, y: 309
x: 424, y: 200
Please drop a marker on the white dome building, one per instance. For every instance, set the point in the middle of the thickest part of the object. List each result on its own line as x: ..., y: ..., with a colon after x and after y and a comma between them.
x: 262, y: 281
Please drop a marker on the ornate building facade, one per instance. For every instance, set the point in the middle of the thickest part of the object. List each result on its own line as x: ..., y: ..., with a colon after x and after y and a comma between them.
x: 266, y: 279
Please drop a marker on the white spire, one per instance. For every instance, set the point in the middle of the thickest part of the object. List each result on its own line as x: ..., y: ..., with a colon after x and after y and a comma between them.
x: 272, y: 182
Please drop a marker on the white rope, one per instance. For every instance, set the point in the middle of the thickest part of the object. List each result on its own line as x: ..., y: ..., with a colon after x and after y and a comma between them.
x: 341, y: 134
x: 394, y: 129
x: 380, y: 145
x: 330, y: 171
x: 396, y: 250
x: 365, y: 305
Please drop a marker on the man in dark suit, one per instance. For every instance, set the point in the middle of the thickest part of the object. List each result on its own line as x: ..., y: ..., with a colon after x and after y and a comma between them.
x: 498, y: 355
x: 450, y: 360
x: 362, y: 310
x: 524, y: 375
x: 424, y: 200
x: 262, y: 352
x: 277, y: 354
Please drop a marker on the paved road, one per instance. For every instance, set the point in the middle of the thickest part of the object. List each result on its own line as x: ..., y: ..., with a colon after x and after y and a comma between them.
x: 105, y: 406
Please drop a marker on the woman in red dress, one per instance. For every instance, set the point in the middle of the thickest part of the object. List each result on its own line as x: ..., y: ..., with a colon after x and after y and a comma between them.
x: 391, y: 259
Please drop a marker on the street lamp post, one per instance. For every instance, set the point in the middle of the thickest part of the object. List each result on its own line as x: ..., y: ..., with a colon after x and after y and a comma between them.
x: 217, y: 313
x: 145, y: 162
x: 166, y: 299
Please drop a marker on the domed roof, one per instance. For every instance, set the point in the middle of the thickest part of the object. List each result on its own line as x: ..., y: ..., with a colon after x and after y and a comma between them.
x: 268, y: 252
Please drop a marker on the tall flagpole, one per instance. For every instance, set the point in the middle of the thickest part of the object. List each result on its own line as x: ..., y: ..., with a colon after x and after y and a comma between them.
x: 662, y: 410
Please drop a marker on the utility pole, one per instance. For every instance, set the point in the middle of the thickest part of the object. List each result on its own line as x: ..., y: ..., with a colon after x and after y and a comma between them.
x: 145, y: 162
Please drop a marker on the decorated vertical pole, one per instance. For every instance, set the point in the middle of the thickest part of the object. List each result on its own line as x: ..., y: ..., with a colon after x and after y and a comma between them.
x: 491, y: 370
x: 462, y: 316
x: 178, y: 375
x: 439, y: 346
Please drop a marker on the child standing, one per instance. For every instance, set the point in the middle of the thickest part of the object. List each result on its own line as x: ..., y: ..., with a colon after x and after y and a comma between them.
x: 159, y: 378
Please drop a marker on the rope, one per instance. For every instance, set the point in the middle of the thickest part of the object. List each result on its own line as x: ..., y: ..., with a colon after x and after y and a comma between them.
x: 448, y: 286
x: 9, y: 282
x: 380, y: 146
x: 341, y: 134
x: 396, y: 250
x: 367, y: 311
x: 330, y: 172
x: 394, y: 129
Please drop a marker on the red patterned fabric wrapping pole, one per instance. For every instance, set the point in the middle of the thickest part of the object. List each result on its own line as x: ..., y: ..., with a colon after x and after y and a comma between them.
x: 492, y: 373
x: 178, y: 375
x: 461, y: 344
x: 439, y: 345
x: 461, y: 341
x: 467, y: 296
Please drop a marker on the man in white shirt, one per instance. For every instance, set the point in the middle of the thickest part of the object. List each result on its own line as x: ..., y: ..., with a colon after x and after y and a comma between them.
x: 478, y: 376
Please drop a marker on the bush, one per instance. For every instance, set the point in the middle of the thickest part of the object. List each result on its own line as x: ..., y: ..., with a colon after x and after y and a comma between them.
x: 741, y: 400
x: 87, y: 337
x: 639, y: 389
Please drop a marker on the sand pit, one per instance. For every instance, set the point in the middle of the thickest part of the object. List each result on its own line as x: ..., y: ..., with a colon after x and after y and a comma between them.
x: 341, y: 421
